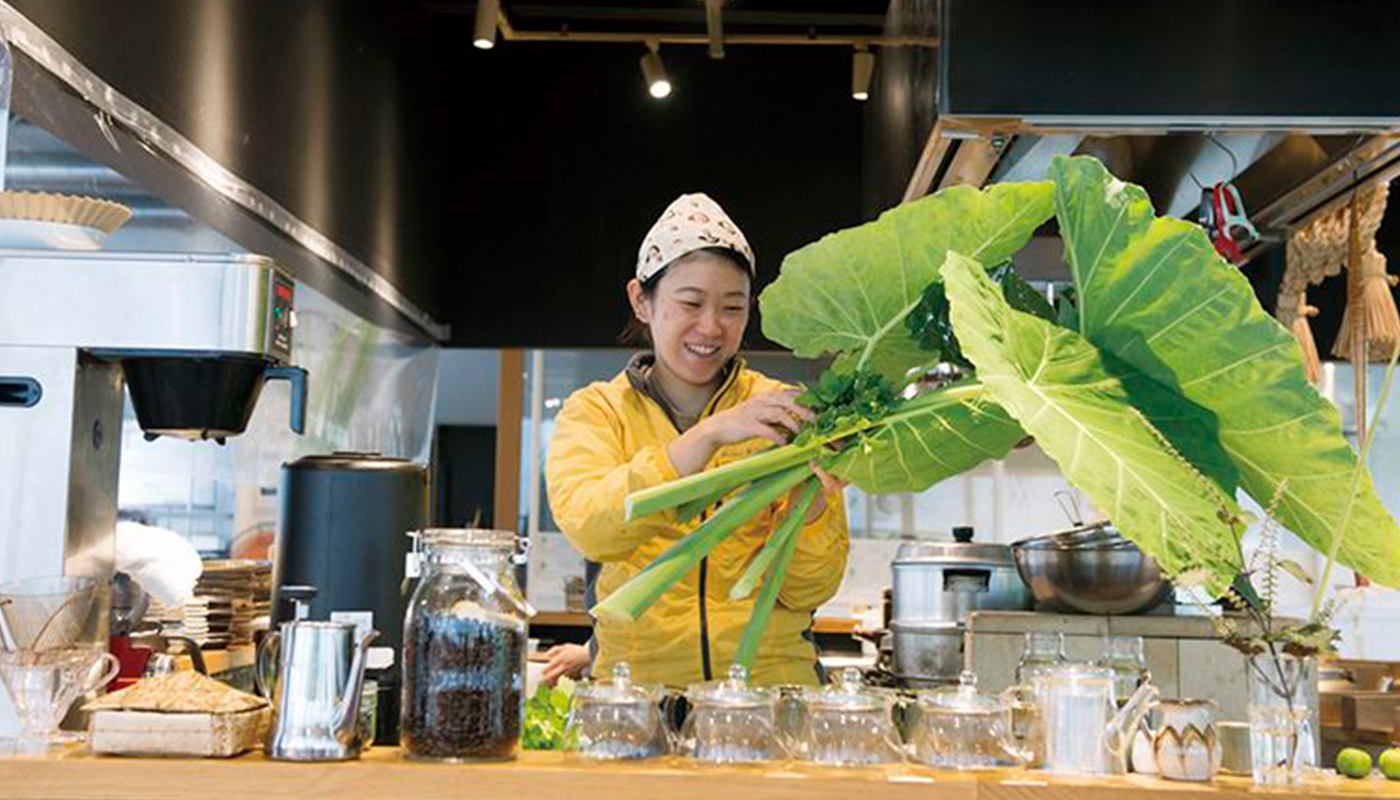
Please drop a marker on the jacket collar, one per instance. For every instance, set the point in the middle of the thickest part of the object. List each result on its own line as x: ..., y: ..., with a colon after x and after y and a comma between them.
x: 639, y: 374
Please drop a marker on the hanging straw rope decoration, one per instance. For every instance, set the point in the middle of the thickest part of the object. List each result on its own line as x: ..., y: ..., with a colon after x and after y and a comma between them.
x: 1315, y: 252
x: 1294, y: 312
x: 1371, y: 311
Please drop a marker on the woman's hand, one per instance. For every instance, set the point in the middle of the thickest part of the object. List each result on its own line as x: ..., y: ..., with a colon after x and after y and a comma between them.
x: 774, y: 416
x: 830, y: 485
x: 564, y: 659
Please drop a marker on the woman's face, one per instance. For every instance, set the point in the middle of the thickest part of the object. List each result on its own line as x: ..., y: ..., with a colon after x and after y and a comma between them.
x: 696, y: 315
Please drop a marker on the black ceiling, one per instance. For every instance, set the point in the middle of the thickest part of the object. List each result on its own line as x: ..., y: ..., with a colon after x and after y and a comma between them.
x: 581, y: 160
x: 799, y: 17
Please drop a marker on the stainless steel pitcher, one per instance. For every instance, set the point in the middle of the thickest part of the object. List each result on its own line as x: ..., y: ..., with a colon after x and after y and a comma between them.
x: 315, y: 689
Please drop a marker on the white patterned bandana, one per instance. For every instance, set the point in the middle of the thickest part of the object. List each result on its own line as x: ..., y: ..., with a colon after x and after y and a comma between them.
x: 692, y: 222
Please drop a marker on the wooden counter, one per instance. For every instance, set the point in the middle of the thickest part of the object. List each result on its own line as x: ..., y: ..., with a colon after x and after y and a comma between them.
x: 383, y: 775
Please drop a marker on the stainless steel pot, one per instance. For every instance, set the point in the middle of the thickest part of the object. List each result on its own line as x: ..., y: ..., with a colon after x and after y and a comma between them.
x: 1090, y: 569
x: 936, y: 585
x: 927, y: 654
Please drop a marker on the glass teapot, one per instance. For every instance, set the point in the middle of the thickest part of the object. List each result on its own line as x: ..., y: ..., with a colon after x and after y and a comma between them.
x: 961, y: 729
x: 616, y: 719
x: 846, y: 724
x: 731, y: 722
x: 1083, y: 730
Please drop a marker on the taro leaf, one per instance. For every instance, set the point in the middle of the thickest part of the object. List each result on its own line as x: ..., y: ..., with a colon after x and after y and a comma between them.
x: 849, y: 292
x: 1155, y: 294
x: 931, y: 437
x: 1060, y: 388
x: 1067, y: 308
x: 929, y: 324
x: 1020, y: 294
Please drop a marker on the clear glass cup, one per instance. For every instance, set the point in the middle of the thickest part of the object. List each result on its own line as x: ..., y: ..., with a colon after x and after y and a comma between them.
x: 369, y: 713
x: 464, y: 649
x: 1280, y: 736
x: 1126, y: 656
x: 43, y: 684
x: 1039, y: 650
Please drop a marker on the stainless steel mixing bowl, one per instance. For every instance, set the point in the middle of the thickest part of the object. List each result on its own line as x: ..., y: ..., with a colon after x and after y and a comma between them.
x: 1090, y: 570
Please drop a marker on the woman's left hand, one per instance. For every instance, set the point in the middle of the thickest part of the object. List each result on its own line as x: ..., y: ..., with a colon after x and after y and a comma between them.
x: 830, y: 485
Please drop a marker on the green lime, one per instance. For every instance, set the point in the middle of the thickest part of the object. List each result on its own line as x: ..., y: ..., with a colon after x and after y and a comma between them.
x: 1390, y: 763
x: 1354, y: 763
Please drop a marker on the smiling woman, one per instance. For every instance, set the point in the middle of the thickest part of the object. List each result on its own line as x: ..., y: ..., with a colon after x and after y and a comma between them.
x: 689, y: 404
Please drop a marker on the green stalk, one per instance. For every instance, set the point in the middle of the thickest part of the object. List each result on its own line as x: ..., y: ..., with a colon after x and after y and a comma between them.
x: 763, y: 606
x: 716, y: 482
x: 638, y: 594
x: 1356, y: 474
x: 788, y: 529
x: 686, y: 512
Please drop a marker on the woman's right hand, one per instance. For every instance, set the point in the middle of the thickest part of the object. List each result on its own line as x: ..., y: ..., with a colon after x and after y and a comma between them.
x: 774, y: 416
x: 565, y: 660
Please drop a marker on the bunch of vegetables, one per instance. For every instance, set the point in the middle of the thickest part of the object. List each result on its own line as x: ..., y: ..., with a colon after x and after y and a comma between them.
x: 547, y: 716
x: 1160, y: 392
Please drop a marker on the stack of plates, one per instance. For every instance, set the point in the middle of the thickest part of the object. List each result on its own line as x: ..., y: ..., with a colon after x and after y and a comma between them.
x: 229, y: 598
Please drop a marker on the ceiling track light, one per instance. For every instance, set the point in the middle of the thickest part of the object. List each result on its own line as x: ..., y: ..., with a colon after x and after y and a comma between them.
x: 862, y: 68
x: 484, y: 35
x: 654, y: 72
x: 714, y: 28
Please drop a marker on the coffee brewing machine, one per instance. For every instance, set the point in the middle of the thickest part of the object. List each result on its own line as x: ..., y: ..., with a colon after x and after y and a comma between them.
x: 193, y: 337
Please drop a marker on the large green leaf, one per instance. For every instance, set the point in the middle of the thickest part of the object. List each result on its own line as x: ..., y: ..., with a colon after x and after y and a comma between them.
x: 1065, y: 393
x: 1155, y: 294
x: 850, y: 292
x: 931, y: 437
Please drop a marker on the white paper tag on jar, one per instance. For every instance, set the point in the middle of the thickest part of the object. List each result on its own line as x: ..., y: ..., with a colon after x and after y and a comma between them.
x: 412, y: 565
x: 362, y: 620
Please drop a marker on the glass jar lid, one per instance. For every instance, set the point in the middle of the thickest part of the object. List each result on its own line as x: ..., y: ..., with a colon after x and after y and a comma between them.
x: 1078, y: 670
x: 468, y: 537
x: 732, y: 692
x: 619, y: 690
x: 962, y: 699
x: 847, y: 693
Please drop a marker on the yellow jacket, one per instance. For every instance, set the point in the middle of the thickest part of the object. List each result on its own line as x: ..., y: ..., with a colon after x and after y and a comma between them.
x: 610, y: 440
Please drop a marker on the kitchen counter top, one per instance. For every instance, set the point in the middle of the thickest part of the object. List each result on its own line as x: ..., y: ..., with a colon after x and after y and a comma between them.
x: 382, y: 774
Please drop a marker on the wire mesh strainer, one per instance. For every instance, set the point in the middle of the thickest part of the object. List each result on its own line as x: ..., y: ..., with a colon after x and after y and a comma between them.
x: 46, y: 613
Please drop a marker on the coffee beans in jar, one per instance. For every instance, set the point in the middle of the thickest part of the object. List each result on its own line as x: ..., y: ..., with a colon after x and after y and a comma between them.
x: 463, y: 684
x: 464, y: 649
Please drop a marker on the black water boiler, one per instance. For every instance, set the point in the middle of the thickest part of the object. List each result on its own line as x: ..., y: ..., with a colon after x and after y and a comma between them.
x: 342, y: 529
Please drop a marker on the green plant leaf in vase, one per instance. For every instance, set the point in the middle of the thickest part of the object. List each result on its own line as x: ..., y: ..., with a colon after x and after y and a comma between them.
x: 1066, y: 394
x: 1154, y: 293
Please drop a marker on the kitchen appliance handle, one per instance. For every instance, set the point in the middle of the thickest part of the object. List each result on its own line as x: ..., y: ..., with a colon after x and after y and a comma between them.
x: 20, y: 391
x: 296, y: 376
